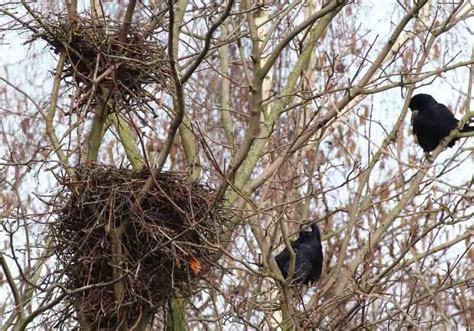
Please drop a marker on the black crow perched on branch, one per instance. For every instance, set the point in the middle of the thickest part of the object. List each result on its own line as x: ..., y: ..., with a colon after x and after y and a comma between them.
x: 308, y: 257
x: 432, y: 121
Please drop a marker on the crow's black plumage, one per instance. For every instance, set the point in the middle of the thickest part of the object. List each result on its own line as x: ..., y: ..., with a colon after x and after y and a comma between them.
x: 432, y: 121
x: 308, y: 257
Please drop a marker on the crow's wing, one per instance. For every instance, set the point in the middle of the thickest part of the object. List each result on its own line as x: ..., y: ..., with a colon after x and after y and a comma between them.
x: 317, y: 266
x: 282, y: 262
x: 435, y: 119
x: 425, y: 123
x: 303, y: 268
x: 427, y: 132
x: 445, y: 119
x: 283, y: 258
x: 311, y: 260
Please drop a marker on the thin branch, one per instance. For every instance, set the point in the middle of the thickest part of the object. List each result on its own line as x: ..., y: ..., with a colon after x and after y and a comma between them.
x: 207, y: 43
x: 179, y: 99
x: 71, y: 6
x: 127, y: 21
x: 14, y: 289
x: 335, y: 5
x: 52, y: 112
x: 42, y: 308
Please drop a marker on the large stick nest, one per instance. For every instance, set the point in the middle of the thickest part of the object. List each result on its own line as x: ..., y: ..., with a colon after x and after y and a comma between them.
x: 151, y: 245
x: 105, y: 67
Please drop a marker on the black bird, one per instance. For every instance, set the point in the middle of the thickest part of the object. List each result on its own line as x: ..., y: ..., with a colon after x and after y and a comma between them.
x: 432, y: 121
x: 308, y: 257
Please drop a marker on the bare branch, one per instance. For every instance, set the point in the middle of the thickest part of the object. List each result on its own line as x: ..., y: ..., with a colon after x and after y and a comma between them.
x: 207, y: 43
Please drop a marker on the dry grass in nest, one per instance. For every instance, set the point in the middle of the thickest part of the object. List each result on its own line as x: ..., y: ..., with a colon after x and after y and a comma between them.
x: 104, y: 67
x: 165, y: 241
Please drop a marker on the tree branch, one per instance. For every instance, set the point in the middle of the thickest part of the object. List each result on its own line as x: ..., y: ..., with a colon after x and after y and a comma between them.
x: 127, y: 21
x: 16, y: 294
x: 207, y: 43
x: 334, y: 5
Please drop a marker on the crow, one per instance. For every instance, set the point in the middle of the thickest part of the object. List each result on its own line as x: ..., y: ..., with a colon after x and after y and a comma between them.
x: 432, y: 121
x: 308, y: 257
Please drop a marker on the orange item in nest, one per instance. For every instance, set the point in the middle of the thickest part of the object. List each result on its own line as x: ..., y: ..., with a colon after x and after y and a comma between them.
x: 195, y: 265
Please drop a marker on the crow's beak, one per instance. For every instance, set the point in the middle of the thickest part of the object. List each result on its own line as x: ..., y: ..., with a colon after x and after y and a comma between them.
x: 414, y: 113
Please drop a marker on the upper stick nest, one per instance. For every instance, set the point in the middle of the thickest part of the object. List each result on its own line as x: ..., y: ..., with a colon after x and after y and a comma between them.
x: 102, y: 65
x: 166, y: 240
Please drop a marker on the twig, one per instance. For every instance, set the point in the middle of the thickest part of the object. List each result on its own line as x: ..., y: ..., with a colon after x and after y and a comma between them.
x: 16, y: 294
x: 207, y: 43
